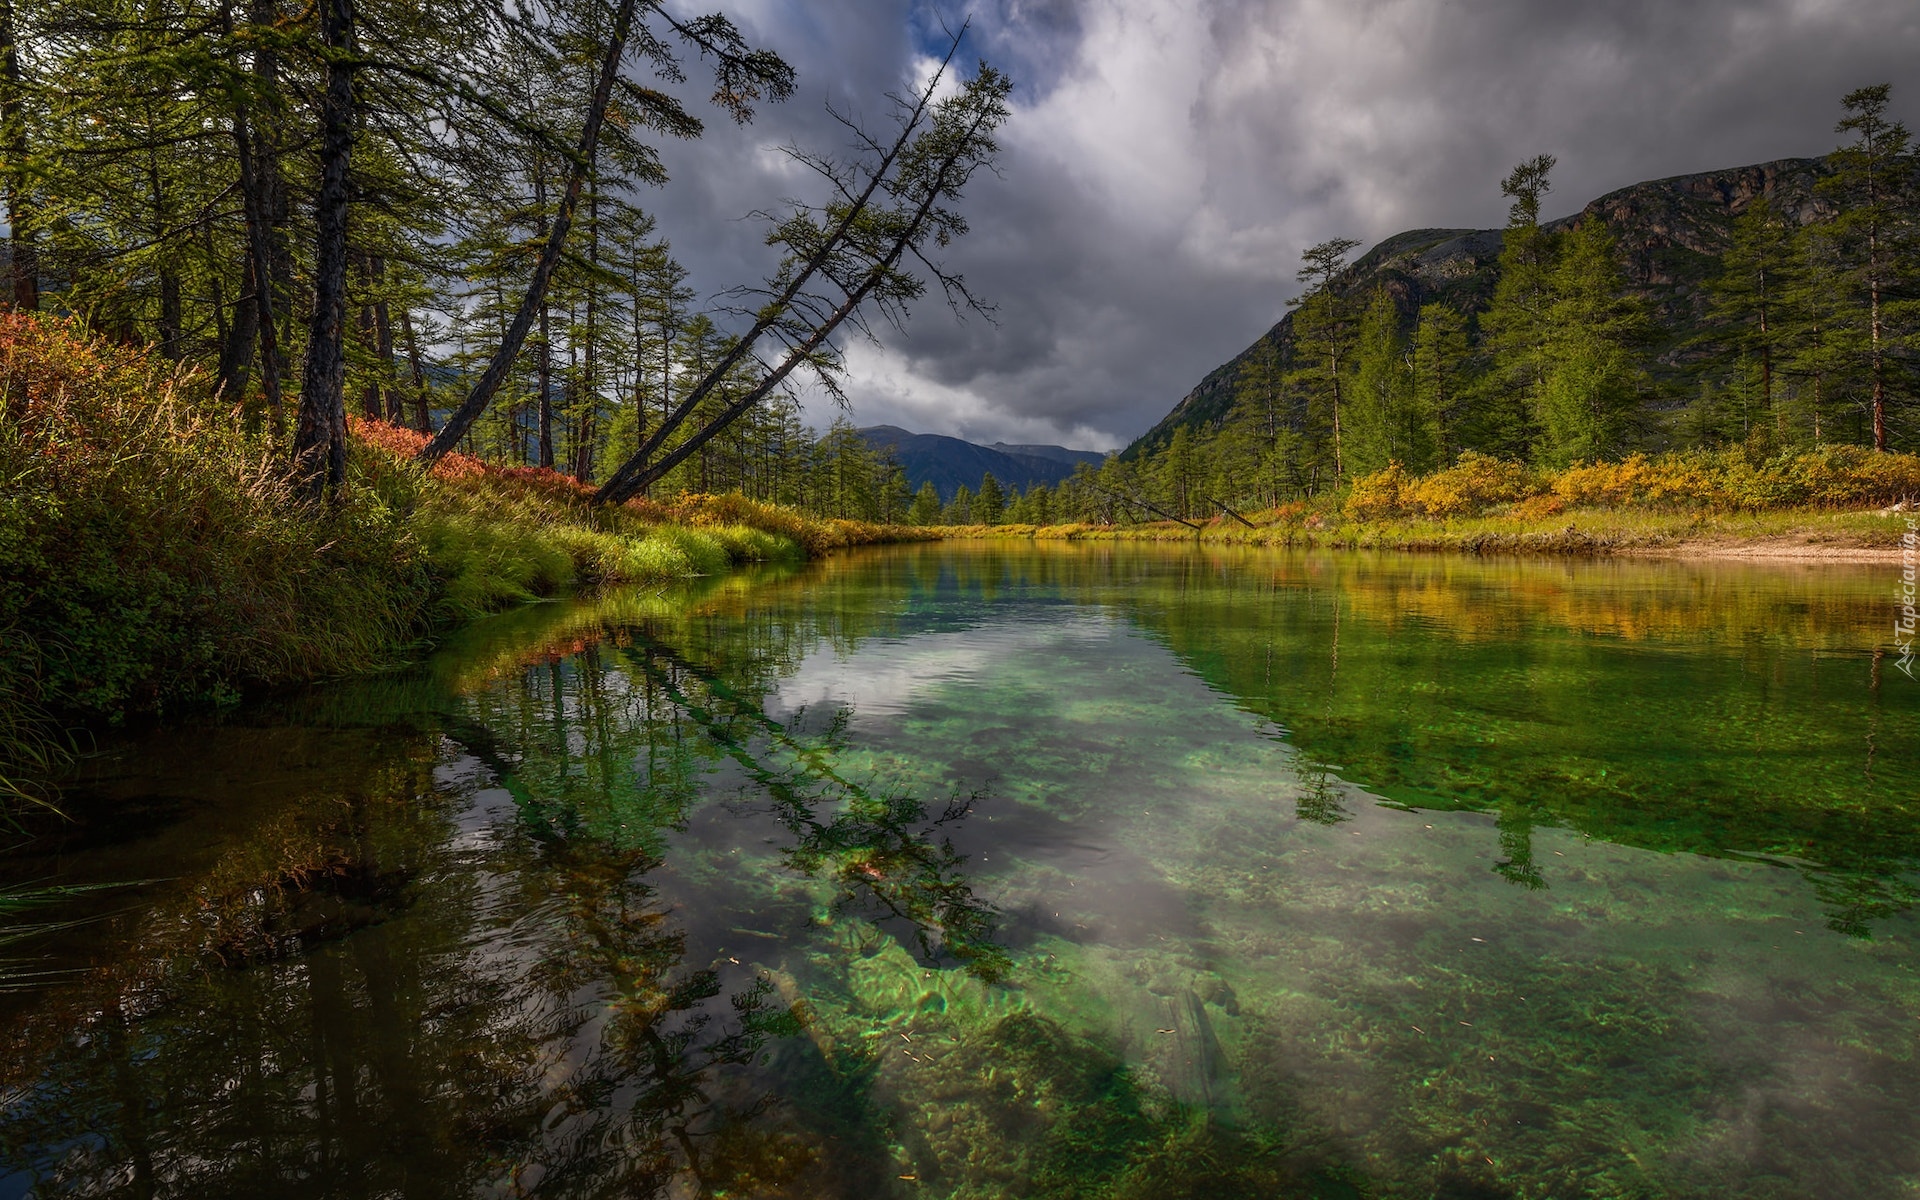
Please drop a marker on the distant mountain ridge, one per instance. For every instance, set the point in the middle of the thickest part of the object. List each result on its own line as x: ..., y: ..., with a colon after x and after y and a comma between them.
x: 1669, y: 234
x: 950, y: 463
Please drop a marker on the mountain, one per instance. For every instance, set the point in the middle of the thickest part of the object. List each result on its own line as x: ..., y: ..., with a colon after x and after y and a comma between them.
x: 1072, y: 458
x: 950, y: 462
x: 1669, y: 233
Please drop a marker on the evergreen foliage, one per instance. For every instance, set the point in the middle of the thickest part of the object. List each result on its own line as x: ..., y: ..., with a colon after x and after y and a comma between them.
x: 1801, y: 334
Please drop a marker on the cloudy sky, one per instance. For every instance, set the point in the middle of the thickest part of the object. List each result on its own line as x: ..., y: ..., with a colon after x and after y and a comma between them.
x: 1168, y: 159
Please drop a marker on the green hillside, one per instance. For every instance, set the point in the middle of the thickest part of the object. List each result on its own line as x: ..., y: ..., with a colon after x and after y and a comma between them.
x: 1669, y: 236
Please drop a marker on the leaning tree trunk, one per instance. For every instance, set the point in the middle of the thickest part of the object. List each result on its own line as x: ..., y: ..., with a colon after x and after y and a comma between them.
x: 320, y: 435
x: 531, y: 304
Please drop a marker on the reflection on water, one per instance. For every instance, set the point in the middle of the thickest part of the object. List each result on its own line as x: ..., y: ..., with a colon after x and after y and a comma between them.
x: 982, y: 872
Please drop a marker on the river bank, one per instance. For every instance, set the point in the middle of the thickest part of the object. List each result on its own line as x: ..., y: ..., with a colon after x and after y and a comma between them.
x: 1803, y: 535
x: 155, y: 559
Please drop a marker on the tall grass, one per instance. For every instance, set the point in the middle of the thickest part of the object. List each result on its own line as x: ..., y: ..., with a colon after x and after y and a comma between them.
x: 153, y: 556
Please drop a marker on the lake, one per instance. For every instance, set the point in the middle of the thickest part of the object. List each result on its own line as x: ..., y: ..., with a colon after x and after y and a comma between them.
x: 1003, y: 870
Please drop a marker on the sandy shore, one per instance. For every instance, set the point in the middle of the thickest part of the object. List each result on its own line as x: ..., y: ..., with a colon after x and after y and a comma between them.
x: 1785, y: 549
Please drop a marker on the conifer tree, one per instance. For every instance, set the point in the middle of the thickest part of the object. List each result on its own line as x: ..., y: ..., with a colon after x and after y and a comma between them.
x: 1518, y: 320
x: 1323, y: 333
x: 1591, y: 378
x: 1441, y: 380
x: 1039, y: 502
x: 1811, y: 350
x: 1874, y: 237
x: 1177, y: 477
x: 926, y: 506
x: 990, y: 502
x: 1389, y: 424
x: 1746, y: 298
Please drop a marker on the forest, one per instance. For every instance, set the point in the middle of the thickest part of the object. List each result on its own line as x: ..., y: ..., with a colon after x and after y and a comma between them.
x: 1799, y: 337
x: 432, y: 217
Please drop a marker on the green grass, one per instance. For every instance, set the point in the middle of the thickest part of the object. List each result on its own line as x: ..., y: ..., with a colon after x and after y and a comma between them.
x: 153, y: 557
x: 1585, y: 530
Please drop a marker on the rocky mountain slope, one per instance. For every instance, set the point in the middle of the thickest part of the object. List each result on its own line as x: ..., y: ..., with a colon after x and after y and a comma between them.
x: 1670, y: 234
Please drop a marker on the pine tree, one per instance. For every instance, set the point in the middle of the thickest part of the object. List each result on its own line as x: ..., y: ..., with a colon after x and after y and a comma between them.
x: 1811, y: 348
x: 1518, y: 322
x: 1322, y: 336
x: 990, y: 503
x: 1872, y: 232
x: 1039, y: 501
x: 1440, y: 378
x: 1388, y: 422
x: 1745, y: 303
x: 959, y: 510
x: 1176, y: 475
x: 926, y: 506
x: 1591, y: 379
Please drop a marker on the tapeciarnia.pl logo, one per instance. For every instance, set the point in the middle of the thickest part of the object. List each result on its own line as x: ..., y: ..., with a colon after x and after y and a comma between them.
x: 1903, y: 625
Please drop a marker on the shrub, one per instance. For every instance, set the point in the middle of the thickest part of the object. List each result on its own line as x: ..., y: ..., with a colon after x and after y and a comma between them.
x: 153, y: 551
x: 1474, y: 483
x: 1381, y: 494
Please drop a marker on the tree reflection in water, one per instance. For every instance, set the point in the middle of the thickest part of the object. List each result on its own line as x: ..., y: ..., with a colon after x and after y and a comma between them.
x: 399, y: 984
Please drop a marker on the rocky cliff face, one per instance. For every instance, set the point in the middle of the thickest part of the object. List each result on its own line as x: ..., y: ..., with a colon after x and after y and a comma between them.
x: 1670, y: 234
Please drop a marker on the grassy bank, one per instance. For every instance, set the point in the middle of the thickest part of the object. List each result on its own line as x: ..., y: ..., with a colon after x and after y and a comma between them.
x: 1833, y: 501
x: 153, y: 558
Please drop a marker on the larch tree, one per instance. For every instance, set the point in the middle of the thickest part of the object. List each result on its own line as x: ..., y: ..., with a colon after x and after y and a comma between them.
x: 990, y: 502
x: 1518, y: 321
x: 1873, y: 233
x: 1592, y: 380
x: 889, y: 209
x: 1745, y: 303
x: 1323, y: 331
x: 1440, y: 354
x: 1389, y: 423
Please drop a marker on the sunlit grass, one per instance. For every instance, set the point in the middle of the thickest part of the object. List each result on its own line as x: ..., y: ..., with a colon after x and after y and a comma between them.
x: 154, y: 556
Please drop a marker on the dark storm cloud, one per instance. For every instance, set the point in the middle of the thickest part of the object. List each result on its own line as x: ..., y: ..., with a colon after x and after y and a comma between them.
x: 1167, y: 161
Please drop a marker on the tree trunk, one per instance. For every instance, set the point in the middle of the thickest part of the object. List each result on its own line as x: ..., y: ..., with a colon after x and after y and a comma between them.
x: 422, y: 410
x: 583, y: 431
x: 383, y: 342
x: 13, y: 128
x: 633, y: 478
x: 320, y: 436
x: 260, y: 274
x: 170, y: 316
x: 1879, y: 354
x: 236, y: 350
x: 371, y: 403
x: 463, y: 417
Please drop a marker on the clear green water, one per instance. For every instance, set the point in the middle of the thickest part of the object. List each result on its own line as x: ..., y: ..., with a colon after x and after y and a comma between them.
x: 1007, y: 872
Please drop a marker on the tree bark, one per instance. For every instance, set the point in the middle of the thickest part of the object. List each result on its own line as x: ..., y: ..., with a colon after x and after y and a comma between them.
x: 422, y: 410
x: 383, y: 342
x: 25, y: 264
x: 463, y: 417
x: 236, y: 348
x: 320, y: 435
x: 260, y: 273
x: 372, y: 406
